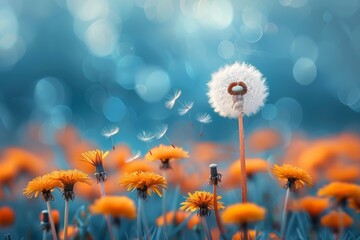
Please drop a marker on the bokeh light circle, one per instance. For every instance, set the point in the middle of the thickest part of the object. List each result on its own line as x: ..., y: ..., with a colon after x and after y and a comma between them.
x: 304, y: 71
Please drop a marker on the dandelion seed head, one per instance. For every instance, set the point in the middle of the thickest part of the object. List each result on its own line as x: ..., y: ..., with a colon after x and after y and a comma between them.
x: 172, y: 99
x: 237, y: 89
x: 145, y: 136
x: 186, y: 108
x: 204, y: 118
x: 162, y: 131
x: 109, y: 132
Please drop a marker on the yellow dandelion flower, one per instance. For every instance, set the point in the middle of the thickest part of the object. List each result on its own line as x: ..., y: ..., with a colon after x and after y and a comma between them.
x: 68, y: 178
x: 341, y: 191
x: 336, y: 220
x: 44, y: 185
x: 144, y: 182
x: 116, y: 206
x: 243, y: 213
x: 166, y: 154
x: 96, y: 158
x: 200, y: 201
x: 296, y: 177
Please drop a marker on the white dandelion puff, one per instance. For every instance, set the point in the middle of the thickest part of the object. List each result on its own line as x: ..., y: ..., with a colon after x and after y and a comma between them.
x: 109, y: 132
x: 237, y: 89
x: 134, y: 157
x: 172, y: 99
x: 203, y: 118
x: 185, y: 108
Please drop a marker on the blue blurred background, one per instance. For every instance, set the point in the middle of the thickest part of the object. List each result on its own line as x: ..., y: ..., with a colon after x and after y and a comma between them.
x: 94, y: 63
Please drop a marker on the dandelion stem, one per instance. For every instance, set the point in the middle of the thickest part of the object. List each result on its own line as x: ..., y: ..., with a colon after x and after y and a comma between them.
x: 53, y: 231
x: 217, y: 216
x: 164, y: 203
x: 139, y: 230
x: 284, y: 214
x: 341, y: 223
x: 44, y: 234
x: 242, y: 166
x: 66, y: 218
x: 107, y: 217
x: 206, y: 228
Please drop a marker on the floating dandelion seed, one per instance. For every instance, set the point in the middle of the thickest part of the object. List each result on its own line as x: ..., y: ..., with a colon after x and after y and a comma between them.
x: 134, y: 157
x: 162, y: 133
x: 172, y: 99
x: 186, y: 107
x: 109, y: 132
x: 203, y: 118
x: 146, y: 137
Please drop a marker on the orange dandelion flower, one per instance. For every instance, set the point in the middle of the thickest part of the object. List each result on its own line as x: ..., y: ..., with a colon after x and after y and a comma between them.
x: 340, y: 191
x: 144, y: 182
x: 173, y: 217
x: 296, y: 177
x: 264, y: 139
x: 336, y: 220
x: 44, y: 185
x: 166, y: 154
x: 116, y: 206
x: 251, y: 235
x: 193, y: 222
x: 253, y: 166
x: 7, y: 216
x: 343, y: 173
x: 200, y: 201
x: 141, y: 166
x: 354, y: 203
x: 8, y: 172
x: 68, y: 178
x: 71, y: 232
x: 314, y: 206
x: 96, y: 158
x: 243, y: 213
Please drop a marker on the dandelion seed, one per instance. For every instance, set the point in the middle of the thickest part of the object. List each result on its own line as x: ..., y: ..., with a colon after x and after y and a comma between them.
x: 134, y: 157
x: 110, y: 132
x: 172, y: 99
x: 203, y: 118
x: 146, y: 137
x: 162, y: 133
x: 185, y: 108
